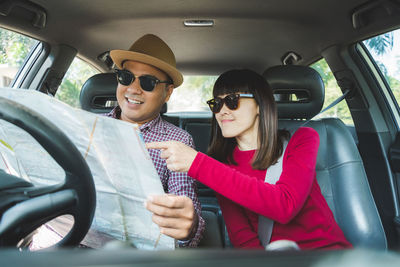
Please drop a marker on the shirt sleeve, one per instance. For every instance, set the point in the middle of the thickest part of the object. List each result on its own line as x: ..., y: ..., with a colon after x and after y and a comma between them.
x: 180, y: 183
x: 279, y: 202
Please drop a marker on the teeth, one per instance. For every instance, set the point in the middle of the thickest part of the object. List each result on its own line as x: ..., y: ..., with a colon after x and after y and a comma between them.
x: 134, y: 101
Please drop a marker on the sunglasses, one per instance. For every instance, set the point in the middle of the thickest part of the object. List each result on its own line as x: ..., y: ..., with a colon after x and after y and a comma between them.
x: 147, y: 82
x: 231, y: 101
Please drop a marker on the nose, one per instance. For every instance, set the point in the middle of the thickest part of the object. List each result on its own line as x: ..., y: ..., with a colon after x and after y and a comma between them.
x: 134, y: 88
x: 224, y: 109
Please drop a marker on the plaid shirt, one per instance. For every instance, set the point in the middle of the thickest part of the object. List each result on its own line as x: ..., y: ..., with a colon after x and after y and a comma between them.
x: 176, y: 183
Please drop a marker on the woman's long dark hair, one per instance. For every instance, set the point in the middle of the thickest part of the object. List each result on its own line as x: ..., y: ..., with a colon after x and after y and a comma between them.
x: 270, y: 139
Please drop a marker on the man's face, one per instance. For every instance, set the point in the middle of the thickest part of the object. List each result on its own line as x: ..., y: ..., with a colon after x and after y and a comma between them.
x: 139, y: 106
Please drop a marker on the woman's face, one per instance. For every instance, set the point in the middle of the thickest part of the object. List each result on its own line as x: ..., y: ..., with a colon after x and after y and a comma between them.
x: 241, y: 122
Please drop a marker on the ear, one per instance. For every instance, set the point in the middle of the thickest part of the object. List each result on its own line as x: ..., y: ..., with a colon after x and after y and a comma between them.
x: 168, y: 91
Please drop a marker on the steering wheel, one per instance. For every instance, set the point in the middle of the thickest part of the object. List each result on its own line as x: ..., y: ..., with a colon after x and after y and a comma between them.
x: 24, y: 207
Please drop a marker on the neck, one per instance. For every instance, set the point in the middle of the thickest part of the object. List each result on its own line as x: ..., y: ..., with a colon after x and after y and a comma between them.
x: 247, y: 142
x: 140, y: 123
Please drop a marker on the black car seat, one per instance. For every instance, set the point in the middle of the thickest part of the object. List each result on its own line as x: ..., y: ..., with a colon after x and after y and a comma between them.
x: 340, y: 170
x: 98, y: 93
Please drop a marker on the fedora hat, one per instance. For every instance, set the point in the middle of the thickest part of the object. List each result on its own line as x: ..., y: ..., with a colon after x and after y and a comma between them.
x: 151, y: 50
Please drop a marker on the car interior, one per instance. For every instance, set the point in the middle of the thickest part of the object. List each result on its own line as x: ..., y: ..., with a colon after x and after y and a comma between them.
x: 340, y: 172
x: 357, y: 166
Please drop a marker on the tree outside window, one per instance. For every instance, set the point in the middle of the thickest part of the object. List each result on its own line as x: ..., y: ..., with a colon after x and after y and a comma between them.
x: 14, y: 48
x: 76, y: 76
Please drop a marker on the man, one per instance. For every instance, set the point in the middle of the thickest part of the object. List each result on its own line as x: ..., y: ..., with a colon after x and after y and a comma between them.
x: 146, y: 77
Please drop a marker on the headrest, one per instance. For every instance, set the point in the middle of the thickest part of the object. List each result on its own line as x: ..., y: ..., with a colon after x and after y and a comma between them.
x: 298, y: 90
x: 98, y: 94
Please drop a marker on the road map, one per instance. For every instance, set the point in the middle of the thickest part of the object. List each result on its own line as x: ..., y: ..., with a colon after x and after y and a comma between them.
x: 122, y: 169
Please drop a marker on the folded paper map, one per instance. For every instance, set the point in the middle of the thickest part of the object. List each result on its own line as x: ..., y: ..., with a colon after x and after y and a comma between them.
x: 122, y: 169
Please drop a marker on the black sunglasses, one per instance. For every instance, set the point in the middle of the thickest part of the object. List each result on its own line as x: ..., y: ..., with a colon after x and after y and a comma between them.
x: 147, y: 82
x: 231, y: 101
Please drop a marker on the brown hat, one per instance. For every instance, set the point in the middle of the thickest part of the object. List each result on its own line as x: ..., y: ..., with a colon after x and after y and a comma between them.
x: 150, y: 49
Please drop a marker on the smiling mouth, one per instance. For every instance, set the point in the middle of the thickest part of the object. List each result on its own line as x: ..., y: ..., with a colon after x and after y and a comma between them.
x: 133, y: 101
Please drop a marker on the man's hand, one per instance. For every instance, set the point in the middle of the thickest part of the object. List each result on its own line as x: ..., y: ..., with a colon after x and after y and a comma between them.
x: 175, y: 215
x: 178, y: 156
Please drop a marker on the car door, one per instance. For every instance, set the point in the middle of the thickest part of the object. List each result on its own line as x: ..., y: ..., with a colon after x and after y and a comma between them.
x: 381, y: 55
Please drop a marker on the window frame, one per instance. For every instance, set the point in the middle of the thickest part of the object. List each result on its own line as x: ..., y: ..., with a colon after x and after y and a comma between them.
x: 26, y: 72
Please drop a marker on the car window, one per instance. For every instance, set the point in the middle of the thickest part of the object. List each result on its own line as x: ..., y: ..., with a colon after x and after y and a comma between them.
x: 70, y: 87
x: 14, y: 49
x: 385, y: 51
x: 196, y: 90
x: 332, y: 92
x: 192, y: 94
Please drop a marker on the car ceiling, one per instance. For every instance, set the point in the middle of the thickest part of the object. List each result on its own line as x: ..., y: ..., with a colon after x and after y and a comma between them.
x: 253, y: 33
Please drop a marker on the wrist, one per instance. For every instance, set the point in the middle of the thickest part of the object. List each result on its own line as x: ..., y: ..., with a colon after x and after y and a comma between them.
x: 193, y: 228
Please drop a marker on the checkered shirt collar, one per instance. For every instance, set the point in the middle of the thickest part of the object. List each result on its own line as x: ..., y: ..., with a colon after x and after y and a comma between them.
x: 157, y: 125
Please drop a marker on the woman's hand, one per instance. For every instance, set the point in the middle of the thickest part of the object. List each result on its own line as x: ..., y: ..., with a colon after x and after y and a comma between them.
x: 178, y: 156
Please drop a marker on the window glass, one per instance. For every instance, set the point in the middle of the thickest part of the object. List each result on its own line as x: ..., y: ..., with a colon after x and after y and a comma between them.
x: 14, y: 48
x: 196, y: 90
x: 385, y: 50
x: 332, y: 92
x: 76, y: 76
x: 192, y: 94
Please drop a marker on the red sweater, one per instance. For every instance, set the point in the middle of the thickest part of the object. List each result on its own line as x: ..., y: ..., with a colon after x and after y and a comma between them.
x: 295, y: 202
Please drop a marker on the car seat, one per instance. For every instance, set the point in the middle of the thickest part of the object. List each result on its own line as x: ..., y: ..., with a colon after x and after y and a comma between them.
x: 299, y: 91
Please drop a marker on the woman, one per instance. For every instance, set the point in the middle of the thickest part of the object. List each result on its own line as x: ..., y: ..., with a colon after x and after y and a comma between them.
x: 245, y: 142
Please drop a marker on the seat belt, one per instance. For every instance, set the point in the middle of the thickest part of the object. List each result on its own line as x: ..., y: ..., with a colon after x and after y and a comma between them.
x: 334, y: 103
x: 265, y: 225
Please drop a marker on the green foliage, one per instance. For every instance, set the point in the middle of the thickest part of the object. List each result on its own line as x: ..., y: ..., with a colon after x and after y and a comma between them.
x: 381, y: 44
x: 395, y: 86
x: 68, y: 92
x: 192, y: 94
x: 381, y: 48
x: 332, y: 92
x: 14, y: 48
x: 71, y: 85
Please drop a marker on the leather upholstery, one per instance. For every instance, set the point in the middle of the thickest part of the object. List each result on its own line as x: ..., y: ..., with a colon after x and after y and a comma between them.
x: 340, y: 170
x: 96, y: 91
x: 310, y: 91
x: 201, y: 133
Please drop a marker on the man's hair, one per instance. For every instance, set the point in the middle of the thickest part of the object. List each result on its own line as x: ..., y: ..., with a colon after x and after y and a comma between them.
x: 270, y: 139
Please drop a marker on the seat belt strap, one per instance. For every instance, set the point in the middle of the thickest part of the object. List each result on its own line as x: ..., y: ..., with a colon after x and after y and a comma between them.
x: 334, y: 103
x: 265, y: 224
